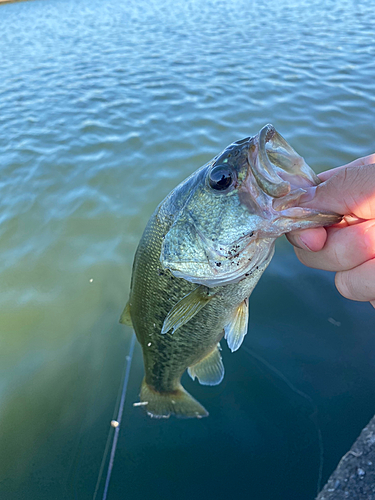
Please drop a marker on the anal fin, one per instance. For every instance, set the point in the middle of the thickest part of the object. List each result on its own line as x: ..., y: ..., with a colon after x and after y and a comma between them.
x: 236, y: 330
x: 186, y: 308
x: 210, y: 370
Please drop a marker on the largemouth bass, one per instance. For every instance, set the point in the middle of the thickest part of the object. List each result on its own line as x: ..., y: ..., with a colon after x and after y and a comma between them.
x: 201, y: 255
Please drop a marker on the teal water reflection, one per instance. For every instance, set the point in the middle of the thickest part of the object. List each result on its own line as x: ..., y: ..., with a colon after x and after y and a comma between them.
x: 104, y: 108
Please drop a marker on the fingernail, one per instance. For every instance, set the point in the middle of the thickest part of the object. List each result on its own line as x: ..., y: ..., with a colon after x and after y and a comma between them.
x: 304, y: 244
x: 298, y: 242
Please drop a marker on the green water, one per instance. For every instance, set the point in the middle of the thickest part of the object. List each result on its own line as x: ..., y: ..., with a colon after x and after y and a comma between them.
x: 104, y: 108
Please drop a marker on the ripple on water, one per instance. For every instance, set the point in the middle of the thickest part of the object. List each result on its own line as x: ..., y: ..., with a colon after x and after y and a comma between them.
x: 104, y: 108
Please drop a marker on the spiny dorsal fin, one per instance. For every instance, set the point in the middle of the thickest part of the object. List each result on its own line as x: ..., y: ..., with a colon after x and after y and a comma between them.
x: 210, y: 370
x: 125, y: 318
x: 236, y: 330
x: 186, y: 308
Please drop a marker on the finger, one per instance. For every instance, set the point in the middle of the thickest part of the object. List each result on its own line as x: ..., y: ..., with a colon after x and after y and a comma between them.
x: 350, y: 191
x: 314, y: 239
x: 358, y: 283
x: 308, y: 239
x: 359, y: 162
x: 345, y: 248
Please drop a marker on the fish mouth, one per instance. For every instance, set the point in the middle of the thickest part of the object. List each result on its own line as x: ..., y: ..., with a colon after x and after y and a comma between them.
x: 271, y: 179
x: 277, y: 167
x: 281, y: 176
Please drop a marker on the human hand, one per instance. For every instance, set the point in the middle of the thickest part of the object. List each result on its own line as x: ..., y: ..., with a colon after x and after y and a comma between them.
x: 347, y: 248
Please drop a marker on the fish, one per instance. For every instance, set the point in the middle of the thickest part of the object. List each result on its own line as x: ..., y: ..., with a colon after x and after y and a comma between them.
x: 200, y: 257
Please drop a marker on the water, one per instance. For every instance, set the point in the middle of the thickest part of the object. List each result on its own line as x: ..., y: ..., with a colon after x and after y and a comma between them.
x: 104, y: 108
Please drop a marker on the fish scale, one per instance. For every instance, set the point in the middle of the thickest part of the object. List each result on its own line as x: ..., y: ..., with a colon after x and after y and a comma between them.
x: 202, y: 253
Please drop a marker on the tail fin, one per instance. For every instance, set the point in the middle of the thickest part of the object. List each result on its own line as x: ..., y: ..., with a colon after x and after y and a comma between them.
x: 178, y: 403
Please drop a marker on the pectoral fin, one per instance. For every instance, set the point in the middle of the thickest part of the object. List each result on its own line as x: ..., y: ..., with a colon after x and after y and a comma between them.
x: 236, y: 330
x: 125, y: 318
x: 210, y: 370
x: 186, y: 308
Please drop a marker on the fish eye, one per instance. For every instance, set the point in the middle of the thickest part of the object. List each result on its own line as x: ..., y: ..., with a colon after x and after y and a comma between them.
x: 221, y: 177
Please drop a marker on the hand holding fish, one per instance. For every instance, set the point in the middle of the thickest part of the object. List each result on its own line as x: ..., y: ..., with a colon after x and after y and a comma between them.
x: 347, y: 248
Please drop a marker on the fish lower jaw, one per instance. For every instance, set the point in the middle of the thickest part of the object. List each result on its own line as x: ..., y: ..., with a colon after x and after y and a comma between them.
x: 295, y: 218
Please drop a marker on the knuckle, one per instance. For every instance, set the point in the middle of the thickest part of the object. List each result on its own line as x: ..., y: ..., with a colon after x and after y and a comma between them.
x: 338, y: 258
x: 360, y: 181
x: 366, y: 240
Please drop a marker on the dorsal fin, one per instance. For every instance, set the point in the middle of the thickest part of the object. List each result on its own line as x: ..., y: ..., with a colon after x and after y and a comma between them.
x: 125, y: 318
x: 236, y: 330
x: 186, y: 308
x: 210, y: 370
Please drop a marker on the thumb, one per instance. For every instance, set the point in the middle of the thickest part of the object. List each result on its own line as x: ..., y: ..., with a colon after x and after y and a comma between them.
x: 349, y: 191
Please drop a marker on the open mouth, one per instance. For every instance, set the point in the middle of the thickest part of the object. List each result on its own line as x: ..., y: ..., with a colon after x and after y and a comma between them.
x: 277, y: 168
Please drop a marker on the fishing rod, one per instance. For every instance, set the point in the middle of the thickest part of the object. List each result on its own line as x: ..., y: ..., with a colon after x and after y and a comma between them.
x: 115, y: 424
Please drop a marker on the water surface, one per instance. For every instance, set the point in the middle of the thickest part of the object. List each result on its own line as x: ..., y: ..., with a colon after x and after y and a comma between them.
x: 104, y: 108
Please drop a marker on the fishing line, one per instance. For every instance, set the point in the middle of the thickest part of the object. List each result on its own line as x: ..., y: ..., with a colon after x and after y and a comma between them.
x: 106, y: 449
x: 115, y: 424
x: 282, y: 377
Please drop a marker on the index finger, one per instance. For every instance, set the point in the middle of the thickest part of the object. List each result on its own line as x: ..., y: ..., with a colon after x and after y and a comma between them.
x: 344, y: 249
x: 359, y: 162
x: 349, y: 191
